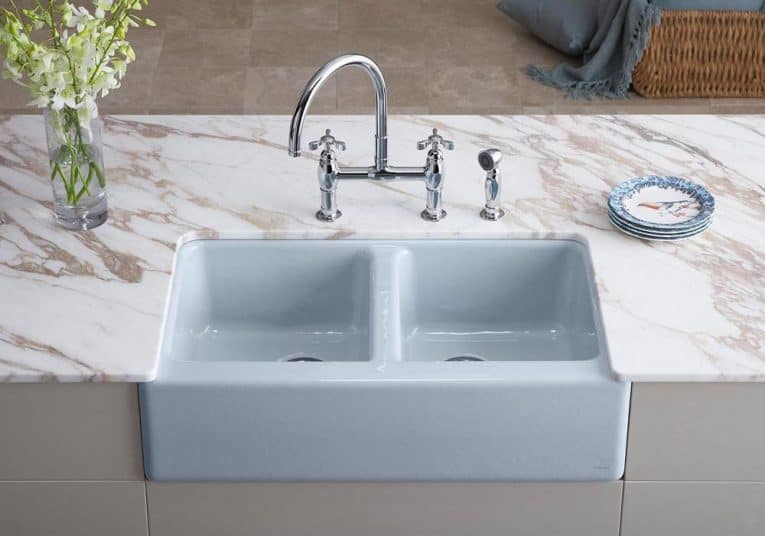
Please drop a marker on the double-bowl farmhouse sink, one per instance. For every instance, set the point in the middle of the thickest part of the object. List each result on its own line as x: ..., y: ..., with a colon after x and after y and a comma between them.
x: 302, y: 360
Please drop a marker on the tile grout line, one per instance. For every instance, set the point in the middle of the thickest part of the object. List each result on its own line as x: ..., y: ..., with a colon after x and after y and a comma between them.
x: 624, y: 476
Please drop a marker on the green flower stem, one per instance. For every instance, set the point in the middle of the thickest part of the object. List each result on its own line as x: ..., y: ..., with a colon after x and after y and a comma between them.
x: 100, y: 175
x: 58, y: 172
x: 121, y: 16
x: 85, y: 184
x: 74, y: 153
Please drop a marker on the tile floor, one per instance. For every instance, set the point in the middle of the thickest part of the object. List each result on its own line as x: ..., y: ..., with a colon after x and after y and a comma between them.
x: 439, y: 56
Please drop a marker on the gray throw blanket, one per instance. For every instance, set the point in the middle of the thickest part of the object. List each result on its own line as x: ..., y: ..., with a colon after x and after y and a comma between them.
x: 623, y: 30
x: 612, y: 54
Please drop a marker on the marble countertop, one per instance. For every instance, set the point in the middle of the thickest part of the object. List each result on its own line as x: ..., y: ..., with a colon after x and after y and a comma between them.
x: 88, y: 306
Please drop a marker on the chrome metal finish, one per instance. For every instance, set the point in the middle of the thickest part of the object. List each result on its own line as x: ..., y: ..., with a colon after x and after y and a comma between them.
x: 433, y: 214
x: 328, y: 215
x: 327, y: 175
x: 489, y: 161
x: 435, y: 140
x: 434, y: 175
x: 329, y: 172
x: 318, y: 80
x: 328, y: 141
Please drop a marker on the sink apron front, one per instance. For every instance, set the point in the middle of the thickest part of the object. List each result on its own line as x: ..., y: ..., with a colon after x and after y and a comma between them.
x: 353, y: 360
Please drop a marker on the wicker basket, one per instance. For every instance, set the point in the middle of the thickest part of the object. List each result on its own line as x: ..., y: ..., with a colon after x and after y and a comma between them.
x: 704, y: 54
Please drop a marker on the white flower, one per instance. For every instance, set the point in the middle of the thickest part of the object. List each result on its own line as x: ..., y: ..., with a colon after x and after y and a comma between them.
x: 86, y: 57
x: 81, y: 57
x: 78, y: 17
x: 57, y: 102
x: 102, y: 6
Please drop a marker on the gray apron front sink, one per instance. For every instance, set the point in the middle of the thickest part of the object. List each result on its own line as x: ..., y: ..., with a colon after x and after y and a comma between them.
x: 302, y: 360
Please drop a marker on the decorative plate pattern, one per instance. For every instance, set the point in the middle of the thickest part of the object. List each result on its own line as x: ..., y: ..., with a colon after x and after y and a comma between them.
x: 661, y: 203
x: 665, y: 232
x: 658, y: 237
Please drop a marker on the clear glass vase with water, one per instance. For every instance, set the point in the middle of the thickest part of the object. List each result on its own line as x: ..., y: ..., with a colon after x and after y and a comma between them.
x: 75, y: 150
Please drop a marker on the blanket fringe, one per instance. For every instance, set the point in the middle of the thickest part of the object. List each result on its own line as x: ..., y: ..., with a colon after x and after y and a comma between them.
x: 617, y: 85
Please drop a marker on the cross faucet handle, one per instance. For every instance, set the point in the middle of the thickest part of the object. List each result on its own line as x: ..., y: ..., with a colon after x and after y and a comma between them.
x: 435, y: 141
x: 328, y: 142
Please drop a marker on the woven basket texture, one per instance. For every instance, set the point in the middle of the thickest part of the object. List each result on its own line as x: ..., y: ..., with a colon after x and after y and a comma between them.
x: 704, y: 54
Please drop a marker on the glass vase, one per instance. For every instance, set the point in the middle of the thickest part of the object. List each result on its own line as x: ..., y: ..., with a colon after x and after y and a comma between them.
x: 77, y: 175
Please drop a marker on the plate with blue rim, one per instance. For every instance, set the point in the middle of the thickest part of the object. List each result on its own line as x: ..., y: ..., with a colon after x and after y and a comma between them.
x: 675, y: 230
x: 678, y: 235
x: 661, y: 205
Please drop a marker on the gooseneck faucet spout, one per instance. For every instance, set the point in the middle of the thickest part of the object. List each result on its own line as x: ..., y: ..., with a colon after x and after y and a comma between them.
x: 381, y: 103
x: 330, y: 172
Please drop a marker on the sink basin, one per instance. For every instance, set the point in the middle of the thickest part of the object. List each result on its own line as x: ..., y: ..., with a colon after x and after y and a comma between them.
x: 527, y: 302
x: 271, y: 304
x: 301, y: 360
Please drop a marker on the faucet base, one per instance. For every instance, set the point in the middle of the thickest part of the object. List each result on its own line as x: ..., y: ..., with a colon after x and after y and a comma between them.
x: 430, y: 215
x: 331, y: 216
x: 492, y: 214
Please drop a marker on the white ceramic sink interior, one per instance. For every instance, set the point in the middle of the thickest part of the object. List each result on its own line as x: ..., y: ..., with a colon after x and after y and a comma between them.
x: 302, y: 360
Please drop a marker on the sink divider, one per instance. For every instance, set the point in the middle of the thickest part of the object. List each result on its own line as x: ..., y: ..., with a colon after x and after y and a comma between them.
x: 385, y: 338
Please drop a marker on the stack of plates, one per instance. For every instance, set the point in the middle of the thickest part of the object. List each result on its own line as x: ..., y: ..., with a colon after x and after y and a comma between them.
x: 660, y: 208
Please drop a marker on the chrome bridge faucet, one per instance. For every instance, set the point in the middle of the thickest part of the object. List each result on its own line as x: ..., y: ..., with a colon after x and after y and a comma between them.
x: 432, y: 173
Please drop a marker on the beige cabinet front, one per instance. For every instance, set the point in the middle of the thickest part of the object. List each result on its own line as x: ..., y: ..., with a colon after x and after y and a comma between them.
x: 73, y: 509
x: 380, y: 509
x: 694, y: 509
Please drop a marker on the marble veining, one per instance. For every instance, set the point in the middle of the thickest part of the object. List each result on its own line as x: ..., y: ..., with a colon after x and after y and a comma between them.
x: 88, y: 306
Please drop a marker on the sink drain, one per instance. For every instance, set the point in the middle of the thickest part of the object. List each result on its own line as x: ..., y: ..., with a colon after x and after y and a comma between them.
x: 303, y: 359
x: 466, y: 358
